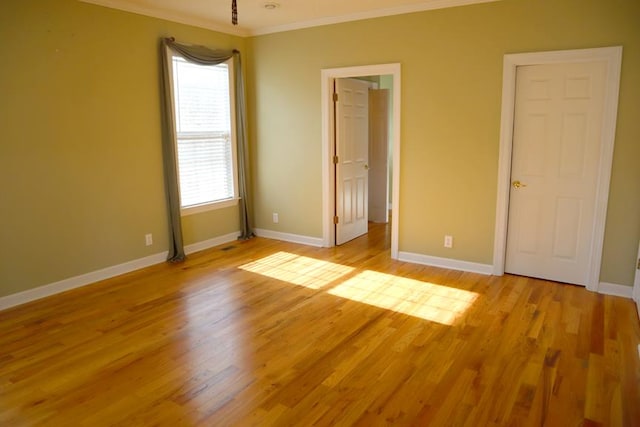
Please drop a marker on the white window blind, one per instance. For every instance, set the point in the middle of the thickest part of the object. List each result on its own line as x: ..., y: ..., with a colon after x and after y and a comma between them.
x: 203, y: 127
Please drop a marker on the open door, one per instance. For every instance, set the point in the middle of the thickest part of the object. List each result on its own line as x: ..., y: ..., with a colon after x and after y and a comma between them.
x: 328, y: 76
x: 351, y: 103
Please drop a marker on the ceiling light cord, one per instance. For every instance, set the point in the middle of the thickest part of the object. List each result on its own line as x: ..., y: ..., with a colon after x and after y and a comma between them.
x: 234, y: 12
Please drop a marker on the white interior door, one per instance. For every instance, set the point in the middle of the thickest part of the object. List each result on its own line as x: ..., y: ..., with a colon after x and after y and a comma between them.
x: 352, y: 151
x: 556, y: 149
x: 379, y: 155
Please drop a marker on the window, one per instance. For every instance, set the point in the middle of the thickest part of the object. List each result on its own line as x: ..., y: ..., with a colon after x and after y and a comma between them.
x: 206, y: 150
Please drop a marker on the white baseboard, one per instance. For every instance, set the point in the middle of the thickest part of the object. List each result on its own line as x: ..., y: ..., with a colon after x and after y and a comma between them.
x: 79, y: 281
x: 451, y: 264
x: 105, y: 273
x: 288, y: 237
x: 615, y: 290
x: 210, y: 243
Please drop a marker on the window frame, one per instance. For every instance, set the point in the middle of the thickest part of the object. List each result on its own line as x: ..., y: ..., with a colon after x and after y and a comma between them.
x: 216, y: 204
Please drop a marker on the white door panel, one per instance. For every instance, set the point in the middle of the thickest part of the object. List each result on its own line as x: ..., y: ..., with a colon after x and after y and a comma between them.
x: 352, y: 149
x: 556, y: 148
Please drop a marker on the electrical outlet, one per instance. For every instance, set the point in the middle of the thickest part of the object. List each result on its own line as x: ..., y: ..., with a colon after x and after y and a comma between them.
x: 448, y: 241
x: 148, y: 238
x: 275, y: 218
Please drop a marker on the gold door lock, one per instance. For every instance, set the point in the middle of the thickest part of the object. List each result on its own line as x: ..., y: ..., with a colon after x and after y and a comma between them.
x: 518, y: 184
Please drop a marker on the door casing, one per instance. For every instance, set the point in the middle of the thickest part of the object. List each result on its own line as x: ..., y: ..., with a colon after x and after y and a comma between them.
x: 636, y: 284
x: 613, y: 58
x: 328, y: 147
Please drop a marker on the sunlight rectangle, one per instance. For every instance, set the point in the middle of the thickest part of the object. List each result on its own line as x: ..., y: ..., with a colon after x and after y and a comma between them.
x: 297, y: 269
x: 425, y: 300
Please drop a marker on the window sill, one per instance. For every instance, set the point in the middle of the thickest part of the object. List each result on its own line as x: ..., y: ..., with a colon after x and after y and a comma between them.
x: 191, y: 210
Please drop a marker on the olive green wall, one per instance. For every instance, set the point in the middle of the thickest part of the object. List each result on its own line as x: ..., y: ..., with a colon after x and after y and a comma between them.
x: 80, y: 158
x: 80, y: 155
x: 451, y: 99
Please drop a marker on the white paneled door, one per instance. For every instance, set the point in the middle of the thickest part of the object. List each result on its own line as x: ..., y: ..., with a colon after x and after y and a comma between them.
x: 554, y: 173
x: 352, y: 151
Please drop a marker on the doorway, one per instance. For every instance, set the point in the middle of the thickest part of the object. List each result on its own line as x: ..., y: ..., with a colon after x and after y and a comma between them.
x: 361, y: 137
x: 611, y: 60
x: 328, y: 77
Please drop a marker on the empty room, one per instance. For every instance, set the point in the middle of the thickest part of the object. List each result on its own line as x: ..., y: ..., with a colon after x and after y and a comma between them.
x: 255, y: 212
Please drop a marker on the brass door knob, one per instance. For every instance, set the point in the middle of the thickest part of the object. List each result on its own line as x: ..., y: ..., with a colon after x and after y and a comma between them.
x: 518, y: 184
x: 366, y: 167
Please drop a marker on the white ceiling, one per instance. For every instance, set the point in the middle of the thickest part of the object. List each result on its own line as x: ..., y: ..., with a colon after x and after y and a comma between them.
x: 255, y: 19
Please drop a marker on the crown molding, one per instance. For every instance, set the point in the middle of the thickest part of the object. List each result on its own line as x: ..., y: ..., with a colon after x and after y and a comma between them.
x: 248, y: 32
x: 377, y: 13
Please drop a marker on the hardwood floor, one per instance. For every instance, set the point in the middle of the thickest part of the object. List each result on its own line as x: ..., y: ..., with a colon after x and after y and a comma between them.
x: 271, y: 333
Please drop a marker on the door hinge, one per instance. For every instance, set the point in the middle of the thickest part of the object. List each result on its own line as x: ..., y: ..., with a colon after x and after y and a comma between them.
x: 335, y: 160
x: 638, y: 266
x: 335, y: 97
x: 335, y: 220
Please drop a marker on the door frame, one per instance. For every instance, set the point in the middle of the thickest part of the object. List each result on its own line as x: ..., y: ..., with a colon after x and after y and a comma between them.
x: 612, y: 56
x: 327, y: 77
x: 635, y: 293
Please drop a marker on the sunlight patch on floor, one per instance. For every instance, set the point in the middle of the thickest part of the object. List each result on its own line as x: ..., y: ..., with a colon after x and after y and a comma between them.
x: 425, y: 300
x: 428, y: 301
x: 297, y: 269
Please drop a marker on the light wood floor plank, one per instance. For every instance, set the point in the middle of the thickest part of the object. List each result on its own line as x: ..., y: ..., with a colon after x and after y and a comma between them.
x: 272, y: 333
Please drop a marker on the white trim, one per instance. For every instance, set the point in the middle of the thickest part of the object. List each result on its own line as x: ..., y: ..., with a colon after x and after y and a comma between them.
x: 615, y: 289
x: 211, y: 206
x: 328, y: 191
x: 369, y: 14
x: 210, y: 243
x: 79, y: 281
x: 105, y: 273
x: 448, y: 263
x: 636, y: 283
x: 613, y: 57
x: 199, y: 21
x: 288, y: 237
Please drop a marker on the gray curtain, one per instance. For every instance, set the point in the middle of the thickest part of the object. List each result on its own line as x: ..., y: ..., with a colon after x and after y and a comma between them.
x: 205, y: 56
